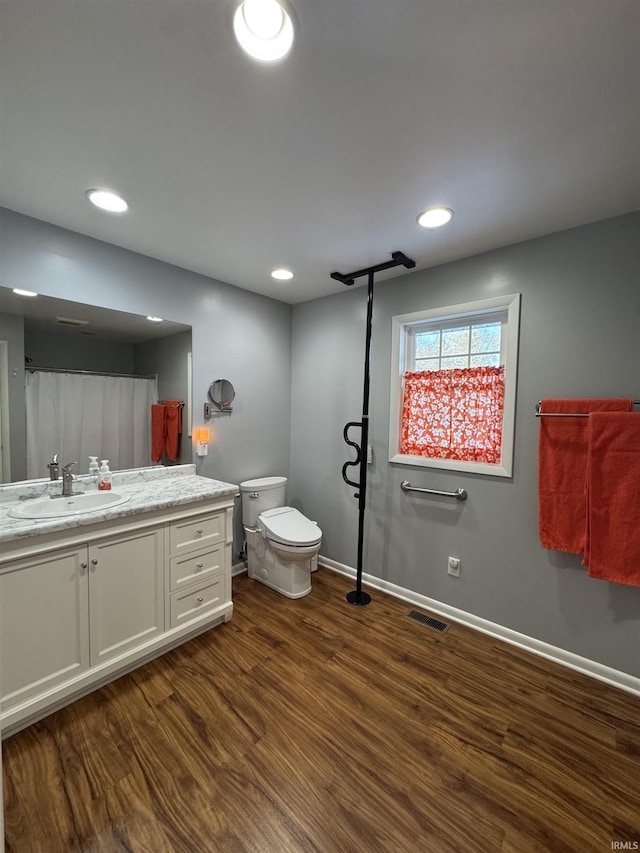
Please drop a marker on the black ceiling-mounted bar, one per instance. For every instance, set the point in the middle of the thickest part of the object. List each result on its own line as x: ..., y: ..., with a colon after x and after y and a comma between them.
x: 399, y: 259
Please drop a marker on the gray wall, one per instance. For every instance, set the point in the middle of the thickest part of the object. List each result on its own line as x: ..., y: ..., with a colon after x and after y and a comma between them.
x: 238, y: 335
x: 579, y: 337
x: 168, y: 358
x: 76, y: 352
x: 12, y: 331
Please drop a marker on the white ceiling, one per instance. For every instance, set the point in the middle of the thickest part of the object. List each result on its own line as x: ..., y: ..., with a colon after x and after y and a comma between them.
x: 521, y: 115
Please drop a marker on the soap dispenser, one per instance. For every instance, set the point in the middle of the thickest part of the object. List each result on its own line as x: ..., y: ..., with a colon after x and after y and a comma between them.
x: 104, y: 476
x: 94, y: 470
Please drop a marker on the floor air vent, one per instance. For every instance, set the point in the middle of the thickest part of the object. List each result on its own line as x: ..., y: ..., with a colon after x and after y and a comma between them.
x: 429, y: 621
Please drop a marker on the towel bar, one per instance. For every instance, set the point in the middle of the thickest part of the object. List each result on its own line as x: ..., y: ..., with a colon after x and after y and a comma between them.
x: 459, y: 494
x: 540, y: 414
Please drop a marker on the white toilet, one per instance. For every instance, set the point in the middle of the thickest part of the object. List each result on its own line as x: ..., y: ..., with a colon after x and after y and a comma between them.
x: 282, y: 543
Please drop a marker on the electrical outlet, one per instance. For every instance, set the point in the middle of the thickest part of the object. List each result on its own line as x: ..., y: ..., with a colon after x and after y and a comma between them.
x: 453, y: 566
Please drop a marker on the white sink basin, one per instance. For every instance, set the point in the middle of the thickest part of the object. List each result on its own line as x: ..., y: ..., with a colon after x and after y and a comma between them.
x: 47, y: 507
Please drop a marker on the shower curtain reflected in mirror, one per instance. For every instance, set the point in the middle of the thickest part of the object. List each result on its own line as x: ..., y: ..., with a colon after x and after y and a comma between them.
x: 80, y: 415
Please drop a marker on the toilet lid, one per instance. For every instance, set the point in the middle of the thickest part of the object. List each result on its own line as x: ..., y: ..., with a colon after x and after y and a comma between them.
x: 290, y: 527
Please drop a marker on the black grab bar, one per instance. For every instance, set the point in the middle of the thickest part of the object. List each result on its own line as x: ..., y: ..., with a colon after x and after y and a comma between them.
x: 358, y: 449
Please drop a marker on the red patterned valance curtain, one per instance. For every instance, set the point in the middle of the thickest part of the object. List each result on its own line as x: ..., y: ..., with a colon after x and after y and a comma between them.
x: 454, y: 414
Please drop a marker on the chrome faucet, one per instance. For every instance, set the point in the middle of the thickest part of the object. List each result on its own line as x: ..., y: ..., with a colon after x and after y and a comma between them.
x: 67, y: 481
x: 53, y: 467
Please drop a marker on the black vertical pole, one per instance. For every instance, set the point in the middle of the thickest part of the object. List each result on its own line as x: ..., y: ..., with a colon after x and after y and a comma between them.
x: 399, y: 259
x: 358, y: 596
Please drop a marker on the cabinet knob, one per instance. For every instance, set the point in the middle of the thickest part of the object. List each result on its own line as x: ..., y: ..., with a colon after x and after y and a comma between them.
x: 199, y: 566
x: 200, y: 600
x: 94, y: 562
x: 199, y: 531
x: 83, y: 566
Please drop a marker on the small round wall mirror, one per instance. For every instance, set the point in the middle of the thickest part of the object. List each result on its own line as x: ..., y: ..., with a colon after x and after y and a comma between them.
x: 221, y: 394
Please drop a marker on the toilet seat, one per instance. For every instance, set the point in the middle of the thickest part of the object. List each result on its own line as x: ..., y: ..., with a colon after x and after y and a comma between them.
x: 287, y: 526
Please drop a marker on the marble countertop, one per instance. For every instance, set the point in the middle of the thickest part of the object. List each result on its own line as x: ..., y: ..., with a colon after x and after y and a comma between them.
x: 147, y: 488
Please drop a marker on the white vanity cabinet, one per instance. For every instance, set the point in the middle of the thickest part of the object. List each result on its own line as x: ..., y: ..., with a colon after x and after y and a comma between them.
x: 197, y: 580
x: 126, y: 592
x: 44, y: 622
x: 80, y: 607
x: 72, y: 608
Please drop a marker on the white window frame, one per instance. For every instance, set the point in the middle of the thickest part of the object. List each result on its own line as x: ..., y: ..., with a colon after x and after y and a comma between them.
x: 402, y: 325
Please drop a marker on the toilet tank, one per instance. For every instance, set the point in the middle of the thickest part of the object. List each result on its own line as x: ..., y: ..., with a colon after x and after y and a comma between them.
x: 259, y: 495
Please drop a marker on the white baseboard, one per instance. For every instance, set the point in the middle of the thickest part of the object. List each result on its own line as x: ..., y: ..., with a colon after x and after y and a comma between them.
x: 622, y: 680
x: 238, y: 569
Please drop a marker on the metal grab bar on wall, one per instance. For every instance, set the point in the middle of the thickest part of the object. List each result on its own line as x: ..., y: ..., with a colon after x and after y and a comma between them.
x: 459, y: 494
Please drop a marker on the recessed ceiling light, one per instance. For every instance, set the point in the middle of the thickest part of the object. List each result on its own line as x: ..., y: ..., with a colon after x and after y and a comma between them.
x: 282, y: 274
x: 106, y: 200
x: 264, y: 29
x: 435, y: 217
x: 24, y: 292
x: 71, y: 321
x: 154, y: 319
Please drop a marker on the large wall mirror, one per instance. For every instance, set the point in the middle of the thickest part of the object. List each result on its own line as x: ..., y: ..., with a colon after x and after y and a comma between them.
x: 43, y: 340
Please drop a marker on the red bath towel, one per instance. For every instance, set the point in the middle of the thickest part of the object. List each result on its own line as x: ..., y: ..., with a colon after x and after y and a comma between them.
x: 173, y: 428
x: 562, y: 471
x: 613, y: 511
x: 157, y: 431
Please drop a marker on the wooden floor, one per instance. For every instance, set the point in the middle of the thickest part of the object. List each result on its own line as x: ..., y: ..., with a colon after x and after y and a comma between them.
x: 314, y: 725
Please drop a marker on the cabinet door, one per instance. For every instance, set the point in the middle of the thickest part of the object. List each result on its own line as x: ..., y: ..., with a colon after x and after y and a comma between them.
x: 43, y: 623
x: 126, y: 593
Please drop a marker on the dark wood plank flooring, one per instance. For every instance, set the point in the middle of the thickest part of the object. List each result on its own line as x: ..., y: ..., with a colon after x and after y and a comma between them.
x: 313, y: 725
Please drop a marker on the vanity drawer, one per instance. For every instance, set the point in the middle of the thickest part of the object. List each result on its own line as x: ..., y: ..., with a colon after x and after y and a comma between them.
x: 189, y: 568
x: 196, y: 534
x: 189, y: 604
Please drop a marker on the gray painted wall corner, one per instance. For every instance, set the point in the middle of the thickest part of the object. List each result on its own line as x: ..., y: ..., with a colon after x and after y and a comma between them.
x: 578, y: 337
x: 237, y: 335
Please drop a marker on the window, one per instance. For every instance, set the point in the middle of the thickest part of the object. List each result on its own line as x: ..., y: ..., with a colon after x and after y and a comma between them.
x: 470, y: 342
x: 453, y: 387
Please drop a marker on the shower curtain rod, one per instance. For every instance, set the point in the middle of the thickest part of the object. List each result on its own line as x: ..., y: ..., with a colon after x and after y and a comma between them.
x: 31, y: 369
x: 399, y: 259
